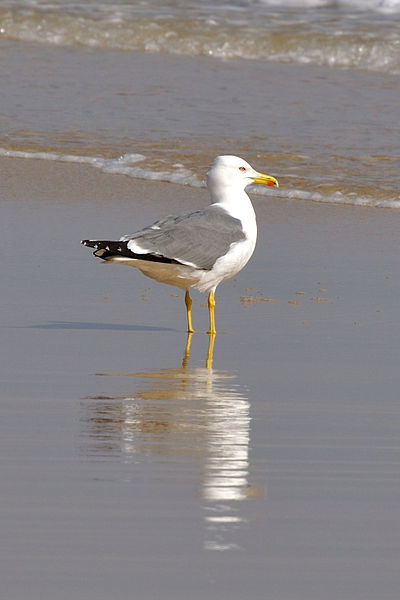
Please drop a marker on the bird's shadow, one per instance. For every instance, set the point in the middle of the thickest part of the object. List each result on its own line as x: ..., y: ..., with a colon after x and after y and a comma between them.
x: 85, y: 325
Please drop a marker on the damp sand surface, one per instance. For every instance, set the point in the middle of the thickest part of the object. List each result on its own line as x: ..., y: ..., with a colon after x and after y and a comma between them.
x: 128, y: 472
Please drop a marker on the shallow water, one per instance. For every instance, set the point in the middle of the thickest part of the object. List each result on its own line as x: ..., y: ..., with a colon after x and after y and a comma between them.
x: 360, y: 34
x: 128, y: 470
x: 328, y: 135
x: 306, y: 89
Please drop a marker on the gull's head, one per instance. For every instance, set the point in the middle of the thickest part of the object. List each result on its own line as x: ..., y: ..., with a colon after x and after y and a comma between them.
x: 232, y: 171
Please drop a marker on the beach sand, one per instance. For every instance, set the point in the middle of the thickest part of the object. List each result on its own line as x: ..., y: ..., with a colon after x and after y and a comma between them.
x: 277, y: 469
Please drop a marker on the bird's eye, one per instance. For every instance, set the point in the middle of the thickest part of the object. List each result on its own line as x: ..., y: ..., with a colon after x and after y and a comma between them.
x: 243, y: 169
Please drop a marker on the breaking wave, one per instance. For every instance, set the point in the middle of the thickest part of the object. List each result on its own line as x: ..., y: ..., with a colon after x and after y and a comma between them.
x: 331, y: 37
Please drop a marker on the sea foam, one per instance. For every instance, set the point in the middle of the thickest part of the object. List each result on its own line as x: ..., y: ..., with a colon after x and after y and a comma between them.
x: 179, y: 174
x: 349, y: 38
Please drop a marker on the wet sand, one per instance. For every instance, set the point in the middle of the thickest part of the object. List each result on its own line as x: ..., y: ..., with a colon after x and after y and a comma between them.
x: 125, y: 474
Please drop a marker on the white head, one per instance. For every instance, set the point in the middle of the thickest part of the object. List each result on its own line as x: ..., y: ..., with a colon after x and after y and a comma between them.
x: 234, y: 172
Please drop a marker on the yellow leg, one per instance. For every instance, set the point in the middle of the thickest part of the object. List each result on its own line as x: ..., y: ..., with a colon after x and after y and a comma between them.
x: 186, y: 356
x: 188, y: 302
x: 211, y: 304
x: 209, y: 359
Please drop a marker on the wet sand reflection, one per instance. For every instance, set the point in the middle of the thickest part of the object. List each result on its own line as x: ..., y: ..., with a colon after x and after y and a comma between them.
x: 187, y: 417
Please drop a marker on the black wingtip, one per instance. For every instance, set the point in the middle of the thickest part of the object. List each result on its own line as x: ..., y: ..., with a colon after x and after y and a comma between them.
x: 106, y: 249
x: 90, y: 243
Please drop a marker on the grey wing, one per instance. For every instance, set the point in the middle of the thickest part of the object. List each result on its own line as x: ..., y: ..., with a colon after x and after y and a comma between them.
x: 198, y: 238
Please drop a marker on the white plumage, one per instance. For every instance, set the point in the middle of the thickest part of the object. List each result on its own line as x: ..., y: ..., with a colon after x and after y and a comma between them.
x: 201, y: 248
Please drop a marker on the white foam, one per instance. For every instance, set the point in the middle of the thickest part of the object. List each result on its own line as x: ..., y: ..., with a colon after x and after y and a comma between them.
x: 352, y: 37
x: 364, y: 5
x: 120, y: 166
x: 180, y: 175
x: 334, y: 198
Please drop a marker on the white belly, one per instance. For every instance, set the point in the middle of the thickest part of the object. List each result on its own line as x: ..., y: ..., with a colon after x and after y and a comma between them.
x: 227, y: 266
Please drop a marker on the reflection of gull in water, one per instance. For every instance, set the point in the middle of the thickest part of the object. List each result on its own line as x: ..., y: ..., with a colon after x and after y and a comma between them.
x: 184, y: 417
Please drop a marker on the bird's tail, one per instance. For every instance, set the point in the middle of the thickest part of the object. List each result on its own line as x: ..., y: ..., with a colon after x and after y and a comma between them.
x: 119, y: 252
x: 107, y: 249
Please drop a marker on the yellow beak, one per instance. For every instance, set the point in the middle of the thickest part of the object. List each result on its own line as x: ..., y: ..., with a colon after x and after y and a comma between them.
x: 266, y: 180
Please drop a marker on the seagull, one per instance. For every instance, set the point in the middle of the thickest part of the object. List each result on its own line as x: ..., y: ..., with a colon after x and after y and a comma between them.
x: 198, y: 249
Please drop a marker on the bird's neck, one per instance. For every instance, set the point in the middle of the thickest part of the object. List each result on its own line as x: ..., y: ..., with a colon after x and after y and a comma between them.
x: 235, y: 202
x: 238, y: 205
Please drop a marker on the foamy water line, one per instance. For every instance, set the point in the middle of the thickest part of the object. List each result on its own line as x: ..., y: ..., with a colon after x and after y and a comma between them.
x: 368, y: 43
x: 179, y: 174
